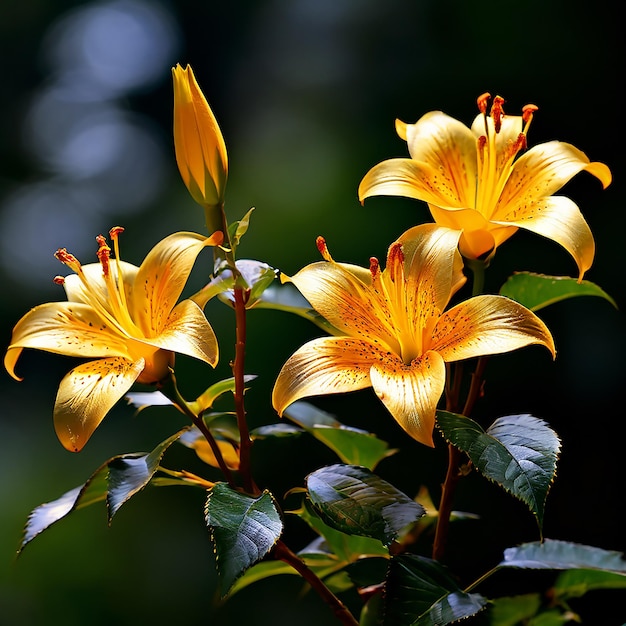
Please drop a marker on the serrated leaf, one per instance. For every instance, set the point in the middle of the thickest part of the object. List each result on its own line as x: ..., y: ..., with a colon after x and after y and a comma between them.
x: 130, y: 473
x: 421, y: 592
x: 563, y: 555
x: 518, y: 452
x: 355, y: 501
x: 43, y: 516
x: 243, y: 530
x: 346, y: 548
x: 536, y: 291
x: 352, y: 445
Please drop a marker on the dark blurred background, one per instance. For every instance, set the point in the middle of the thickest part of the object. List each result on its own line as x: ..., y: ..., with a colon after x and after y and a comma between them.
x: 306, y: 93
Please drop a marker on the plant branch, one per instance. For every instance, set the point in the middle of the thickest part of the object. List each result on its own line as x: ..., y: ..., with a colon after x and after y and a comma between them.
x: 284, y: 553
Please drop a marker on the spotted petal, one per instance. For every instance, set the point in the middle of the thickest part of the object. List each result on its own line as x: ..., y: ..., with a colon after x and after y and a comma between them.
x: 345, y: 300
x: 68, y: 328
x: 162, y: 277
x: 187, y: 331
x: 87, y: 393
x: 324, y: 366
x: 486, y: 325
x: 411, y: 392
x: 560, y: 219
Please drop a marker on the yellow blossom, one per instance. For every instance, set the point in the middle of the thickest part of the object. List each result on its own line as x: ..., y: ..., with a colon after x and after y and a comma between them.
x: 393, y: 331
x: 474, y: 180
x: 200, y: 149
x: 126, y: 318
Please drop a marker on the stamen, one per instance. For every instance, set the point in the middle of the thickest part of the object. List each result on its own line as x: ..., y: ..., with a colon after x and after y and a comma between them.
x: 482, y: 141
x: 527, y: 112
x: 395, y: 261
x: 68, y: 259
x: 115, y: 231
x: 104, y: 254
x: 374, y: 267
x: 320, y: 242
x: 482, y: 101
x: 59, y: 280
x: 497, y: 113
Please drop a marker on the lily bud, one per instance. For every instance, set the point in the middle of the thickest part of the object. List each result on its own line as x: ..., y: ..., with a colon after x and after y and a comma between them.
x: 200, y: 149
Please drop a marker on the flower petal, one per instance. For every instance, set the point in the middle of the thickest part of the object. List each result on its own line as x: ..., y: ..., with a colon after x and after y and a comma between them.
x: 449, y: 147
x: 337, y: 291
x: 486, y: 325
x: 542, y: 171
x: 68, y: 328
x: 324, y: 366
x: 410, y: 179
x: 87, y: 393
x: 411, y: 392
x: 162, y: 277
x: 76, y: 291
x: 559, y: 218
x: 187, y: 331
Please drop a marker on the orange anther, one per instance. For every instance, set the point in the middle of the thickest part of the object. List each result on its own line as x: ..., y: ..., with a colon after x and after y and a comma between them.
x: 497, y: 113
x: 320, y: 242
x: 115, y: 231
x: 104, y: 253
x: 58, y: 280
x: 374, y: 267
x: 482, y: 101
x: 528, y: 110
x: 65, y: 257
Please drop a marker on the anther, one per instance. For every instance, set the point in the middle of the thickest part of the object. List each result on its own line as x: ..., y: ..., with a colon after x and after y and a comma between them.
x: 374, y: 267
x: 527, y: 112
x: 482, y: 101
x: 497, y: 112
x: 320, y: 242
x: 395, y: 260
x: 115, y: 231
x: 59, y: 280
x: 104, y: 253
x: 68, y: 259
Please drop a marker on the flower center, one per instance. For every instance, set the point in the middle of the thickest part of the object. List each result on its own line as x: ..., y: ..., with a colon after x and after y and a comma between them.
x: 496, y: 154
x: 111, y: 304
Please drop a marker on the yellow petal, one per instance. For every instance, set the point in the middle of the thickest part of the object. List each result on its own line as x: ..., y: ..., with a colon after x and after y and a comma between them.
x: 162, y: 276
x: 449, y: 147
x: 229, y: 451
x: 410, y: 179
x: 340, y: 296
x: 411, y: 392
x: 200, y: 149
x: 486, y: 325
x: 87, y: 394
x: 542, y: 171
x: 75, y: 287
x: 560, y: 219
x: 324, y: 366
x: 187, y: 331
x: 68, y: 328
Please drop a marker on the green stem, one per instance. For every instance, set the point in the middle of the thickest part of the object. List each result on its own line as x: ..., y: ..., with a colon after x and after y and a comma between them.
x: 283, y: 553
x: 170, y: 389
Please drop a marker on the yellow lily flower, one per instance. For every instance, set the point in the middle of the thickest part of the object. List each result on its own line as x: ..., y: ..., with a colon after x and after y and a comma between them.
x: 200, y: 149
x: 393, y: 333
x: 125, y: 317
x: 473, y: 182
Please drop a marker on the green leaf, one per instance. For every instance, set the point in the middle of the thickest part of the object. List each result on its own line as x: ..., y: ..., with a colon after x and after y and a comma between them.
x: 207, y: 398
x: 130, y: 473
x: 518, y: 452
x: 512, y: 611
x: 346, y: 548
x: 257, y: 277
x: 43, y: 516
x: 355, y: 501
x: 536, y: 291
x: 142, y: 399
x: 352, y: 445
x: 563, y: 555
x: 243, y: 530
x: 575, y: 583
x: 275, y: 430
x: 421, y: 592
x: 238, y: 229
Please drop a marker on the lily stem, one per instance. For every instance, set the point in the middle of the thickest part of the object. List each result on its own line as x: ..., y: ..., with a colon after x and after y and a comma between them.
x: 238, y: 373
x: 285, y: 554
